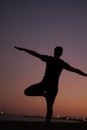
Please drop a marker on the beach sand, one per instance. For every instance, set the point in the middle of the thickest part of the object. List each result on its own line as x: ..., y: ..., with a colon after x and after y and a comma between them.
x: 32, y: 125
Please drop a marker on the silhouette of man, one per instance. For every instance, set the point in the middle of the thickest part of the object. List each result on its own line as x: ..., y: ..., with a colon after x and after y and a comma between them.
x: 48, y: 87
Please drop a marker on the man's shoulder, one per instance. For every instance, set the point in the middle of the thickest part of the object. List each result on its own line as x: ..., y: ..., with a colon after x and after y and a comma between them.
x: 45, y: 57
x: 62, y: 61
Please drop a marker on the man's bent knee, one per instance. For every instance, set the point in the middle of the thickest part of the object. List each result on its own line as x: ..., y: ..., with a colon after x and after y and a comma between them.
x: 26, y: 92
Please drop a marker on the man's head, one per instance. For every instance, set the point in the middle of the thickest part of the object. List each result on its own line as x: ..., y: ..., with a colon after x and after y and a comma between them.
x: 58, y: 51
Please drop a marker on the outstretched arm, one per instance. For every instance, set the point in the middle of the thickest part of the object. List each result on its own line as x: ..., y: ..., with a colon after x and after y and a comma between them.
x: 72, y: 69
x: 29, y: 52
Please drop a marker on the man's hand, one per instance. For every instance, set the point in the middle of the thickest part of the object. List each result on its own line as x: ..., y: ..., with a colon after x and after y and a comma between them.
x: 20, y: 49
x: 29, y: 52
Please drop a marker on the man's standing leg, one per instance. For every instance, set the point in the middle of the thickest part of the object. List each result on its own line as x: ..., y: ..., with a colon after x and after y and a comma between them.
x: 49, y: 113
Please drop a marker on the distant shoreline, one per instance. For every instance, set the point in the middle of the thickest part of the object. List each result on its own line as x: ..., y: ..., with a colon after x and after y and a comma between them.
x: 12, y: 121
x: 14, y: 117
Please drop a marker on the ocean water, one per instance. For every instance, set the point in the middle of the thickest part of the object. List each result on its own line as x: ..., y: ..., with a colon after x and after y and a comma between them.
x: 11, y: 117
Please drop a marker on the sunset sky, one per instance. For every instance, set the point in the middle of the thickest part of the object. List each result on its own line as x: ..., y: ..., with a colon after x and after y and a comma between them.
x: 41, y: 25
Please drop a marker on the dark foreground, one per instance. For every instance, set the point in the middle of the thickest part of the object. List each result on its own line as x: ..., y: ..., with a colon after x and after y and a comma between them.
x: 28, y: 125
